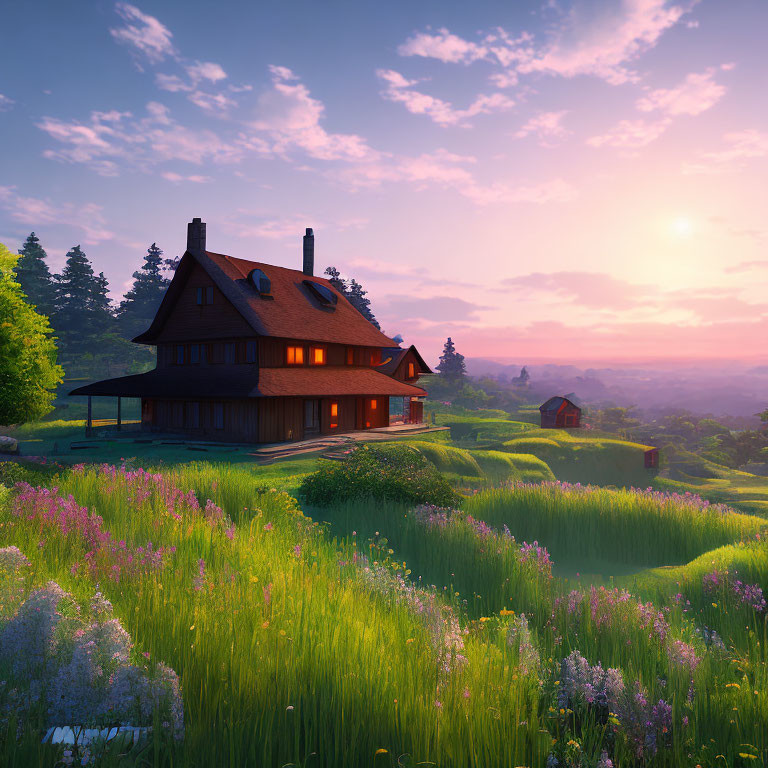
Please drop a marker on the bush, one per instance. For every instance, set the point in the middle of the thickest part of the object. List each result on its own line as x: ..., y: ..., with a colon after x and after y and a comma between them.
x: 394, y: 472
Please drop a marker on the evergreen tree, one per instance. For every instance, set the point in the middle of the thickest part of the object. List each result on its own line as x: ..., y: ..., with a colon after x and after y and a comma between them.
x: 138, y: 308
x: 334, y: 278
x: 83, y: 312
x: 28, y: 370
x: 451, y: 366
x: 356, y: 295
x: 34, y: 276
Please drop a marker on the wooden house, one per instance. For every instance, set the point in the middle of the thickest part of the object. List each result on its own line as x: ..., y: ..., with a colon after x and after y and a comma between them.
x: 252, y: 352
x: 560, y: 413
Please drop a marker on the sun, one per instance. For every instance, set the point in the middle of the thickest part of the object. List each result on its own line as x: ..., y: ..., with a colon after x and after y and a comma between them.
x: 682, y: 226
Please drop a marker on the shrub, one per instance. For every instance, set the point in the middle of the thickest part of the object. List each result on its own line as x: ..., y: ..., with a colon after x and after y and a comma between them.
x: 394, y: 472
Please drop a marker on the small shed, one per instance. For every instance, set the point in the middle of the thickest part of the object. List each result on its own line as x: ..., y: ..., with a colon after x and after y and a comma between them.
x: 652, y: 458
x: 560, y: 413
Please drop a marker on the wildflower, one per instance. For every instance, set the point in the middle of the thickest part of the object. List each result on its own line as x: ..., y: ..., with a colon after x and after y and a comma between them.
x: 297, y: 550
x: 380, y: 751
x: 268, y: 526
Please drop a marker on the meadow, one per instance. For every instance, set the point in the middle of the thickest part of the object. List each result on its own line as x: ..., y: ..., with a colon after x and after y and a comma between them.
x: 387, y: 632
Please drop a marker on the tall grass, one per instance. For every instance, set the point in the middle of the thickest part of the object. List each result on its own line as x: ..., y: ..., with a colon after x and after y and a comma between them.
x: 584, y: 524
x: 326, y: 670
x: 295, y: 648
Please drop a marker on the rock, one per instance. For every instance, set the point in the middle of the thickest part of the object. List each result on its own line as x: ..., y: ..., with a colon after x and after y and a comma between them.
x: 8, y: 444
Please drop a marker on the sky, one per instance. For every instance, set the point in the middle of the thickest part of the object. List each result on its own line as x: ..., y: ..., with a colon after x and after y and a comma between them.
x: 576, y: 182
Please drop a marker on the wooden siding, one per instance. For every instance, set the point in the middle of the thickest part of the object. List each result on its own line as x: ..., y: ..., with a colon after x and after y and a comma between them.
x: 192, y: 321
x: 401, y: 372
x: 199, y: 419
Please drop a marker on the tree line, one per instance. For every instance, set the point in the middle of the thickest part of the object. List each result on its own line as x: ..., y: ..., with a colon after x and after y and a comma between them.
x: 93, y: 335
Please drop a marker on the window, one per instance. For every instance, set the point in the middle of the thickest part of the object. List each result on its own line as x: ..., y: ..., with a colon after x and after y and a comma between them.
x: 317, y: 355
x: 375, y: 356
x: 215, y: 353
x: 205, y: 295
x: 218, y: 415
x: 194, y: 353
x: 295, y: 355
x: 229, y: 353
x: 374, y: 404
x: 334, y: 415
x: 179, y: 357
x: 350, y: 356
x: 411, y: 371
x: 193, y: 415
x: 250, y: 351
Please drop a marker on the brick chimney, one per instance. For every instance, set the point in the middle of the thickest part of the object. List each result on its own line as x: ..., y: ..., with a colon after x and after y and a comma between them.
x: 196, y: 236
x: 309, y: 252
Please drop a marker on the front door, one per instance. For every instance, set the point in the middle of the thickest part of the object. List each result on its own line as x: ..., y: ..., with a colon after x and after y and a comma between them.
x: 311, y: 417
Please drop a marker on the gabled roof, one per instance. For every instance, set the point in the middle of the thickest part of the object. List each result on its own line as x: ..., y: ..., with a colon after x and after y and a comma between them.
x: 220, y: 382
x: 393, y: 356
x: 556, y: 404
x: 292, y: 312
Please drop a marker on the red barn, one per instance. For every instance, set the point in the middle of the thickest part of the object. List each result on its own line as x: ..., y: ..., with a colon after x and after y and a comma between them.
x: 251, y: 352
x: 560, y: 413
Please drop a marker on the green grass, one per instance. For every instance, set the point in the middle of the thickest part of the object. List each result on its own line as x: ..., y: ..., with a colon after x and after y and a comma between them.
x: 359, y: 665
x: 587, y: 525
x: 578, y: 456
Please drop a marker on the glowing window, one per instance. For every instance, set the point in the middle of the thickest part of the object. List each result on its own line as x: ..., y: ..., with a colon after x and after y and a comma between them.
x: 374, y: 404
x: 295, y: 355
x: 411, y: 370
x: 334, y: 409
x: 317, y: 355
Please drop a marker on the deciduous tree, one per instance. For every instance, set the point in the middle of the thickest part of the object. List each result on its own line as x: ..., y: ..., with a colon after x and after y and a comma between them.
x: 28, y: 370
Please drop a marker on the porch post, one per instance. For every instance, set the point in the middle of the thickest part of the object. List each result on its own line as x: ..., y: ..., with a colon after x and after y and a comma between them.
x: 89, y: 421
x: 119, y: 403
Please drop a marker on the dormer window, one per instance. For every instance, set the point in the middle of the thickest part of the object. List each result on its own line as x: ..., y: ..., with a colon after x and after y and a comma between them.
x: 295, y: 356
x: 411, y: 371
x: 322, y: 293
x: 317, y: 355
x: 261, y: 283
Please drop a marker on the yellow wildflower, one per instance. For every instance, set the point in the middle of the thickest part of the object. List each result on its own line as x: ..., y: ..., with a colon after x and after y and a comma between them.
x: 381, y: 751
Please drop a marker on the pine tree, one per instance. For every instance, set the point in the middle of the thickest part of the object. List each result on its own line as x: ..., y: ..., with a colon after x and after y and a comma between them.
x: 334, y: 278
x: 356, y: 295
x: 34, y: 276
x: 83, y: 312
x: 451, y: 366
x: 138, y: 308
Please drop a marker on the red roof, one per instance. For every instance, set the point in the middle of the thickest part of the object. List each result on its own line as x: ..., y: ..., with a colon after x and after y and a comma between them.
x: 331, y: 382
x: 292, y: 312
x: 218, y: 382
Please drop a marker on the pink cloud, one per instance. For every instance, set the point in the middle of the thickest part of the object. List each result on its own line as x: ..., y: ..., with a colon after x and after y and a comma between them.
x: 178, y: 177
x: 696, y: 94
x: 595, y: 290
x: 631, y: 134
x: 33, y: 211
x: 144, y: 33
x: 547, y: 126
x: 399, y: 89
x: 6, y: 103
x: 292, y: 118
x: 740, y: 146
x: 600, y: 40
x: 443, y: 46
x: 590, y: 39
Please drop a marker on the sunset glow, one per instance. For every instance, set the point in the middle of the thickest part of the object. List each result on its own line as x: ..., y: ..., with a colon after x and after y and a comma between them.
x: 560, y: 181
